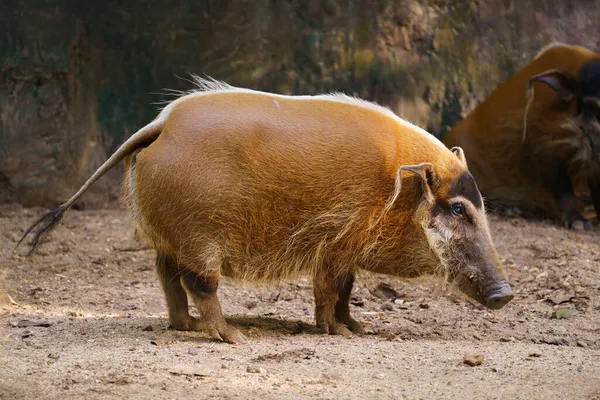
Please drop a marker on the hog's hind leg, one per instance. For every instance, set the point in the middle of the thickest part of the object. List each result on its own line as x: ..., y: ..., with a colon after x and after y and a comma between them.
x: 176, y: 298
x: 342, y: 306
x: 203, y: 289
x: 326, y: 289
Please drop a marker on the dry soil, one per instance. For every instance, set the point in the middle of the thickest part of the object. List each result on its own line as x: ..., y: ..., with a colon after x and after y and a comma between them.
x: 88, y: 322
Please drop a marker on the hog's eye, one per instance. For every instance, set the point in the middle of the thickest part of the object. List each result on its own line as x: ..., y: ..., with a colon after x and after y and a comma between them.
x: 457, y: 209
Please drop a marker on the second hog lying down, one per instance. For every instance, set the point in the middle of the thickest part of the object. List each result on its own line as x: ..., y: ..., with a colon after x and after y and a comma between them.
x: 263, y: 187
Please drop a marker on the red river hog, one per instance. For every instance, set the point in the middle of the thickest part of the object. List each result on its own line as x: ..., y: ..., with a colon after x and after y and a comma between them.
x: 263, y: 187
x: 536, y: 139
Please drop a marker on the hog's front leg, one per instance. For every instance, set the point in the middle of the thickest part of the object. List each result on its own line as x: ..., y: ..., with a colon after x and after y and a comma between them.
x: 556, y: 178
x: 594, y: 185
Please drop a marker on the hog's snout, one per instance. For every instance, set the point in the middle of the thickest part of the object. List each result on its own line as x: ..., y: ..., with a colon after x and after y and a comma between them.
x: 498, y: 295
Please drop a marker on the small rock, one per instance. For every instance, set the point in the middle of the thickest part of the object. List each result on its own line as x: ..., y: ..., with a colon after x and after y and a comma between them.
x: 555, y: 341
x: 53, y: 356
x: 561, y: 313
x: 473, y: 360
x: 387, y: 307
x: 192, y: 352
x: 255, y: 370
x: 224, y: 366
x: 579, y: 368
x: 581, y: 344
x: 148, y: 328
x: 559, y: 297
x: 357, y: 301
x: 535, y: 354
x: 188, y: 370
x: 424, y: 306
x: 250, y: 305
x: 126, y: 283
x: 332, y: 377
x: 384, y: 291
x: 26, y: 323
x: 542, y: 275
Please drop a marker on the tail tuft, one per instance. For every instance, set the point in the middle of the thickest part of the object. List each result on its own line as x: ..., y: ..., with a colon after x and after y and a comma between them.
x: 42, y: 227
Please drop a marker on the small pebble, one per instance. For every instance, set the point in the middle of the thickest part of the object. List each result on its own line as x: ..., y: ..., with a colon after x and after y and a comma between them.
x: 580, y: 368
x: 473, y: 360
x: 255, y: 370
x: 148, y: 328
x: 358, y: 302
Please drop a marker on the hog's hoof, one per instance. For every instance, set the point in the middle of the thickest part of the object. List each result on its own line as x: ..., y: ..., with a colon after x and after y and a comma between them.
x: 335, y: 329
x: 355, y: 327
x: 227, y: 334
x: 579, y: 224
x: 187, y: 324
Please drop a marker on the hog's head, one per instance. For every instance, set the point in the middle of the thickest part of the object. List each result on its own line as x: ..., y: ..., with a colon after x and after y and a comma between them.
x: 581, y: 94
x: 452, y: 215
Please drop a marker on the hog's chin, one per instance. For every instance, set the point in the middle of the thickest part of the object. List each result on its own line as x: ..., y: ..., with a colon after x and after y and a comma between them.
x: 471, y: 287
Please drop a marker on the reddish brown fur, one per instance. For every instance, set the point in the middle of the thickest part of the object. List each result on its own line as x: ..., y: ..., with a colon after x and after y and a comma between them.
x: 509, y: 169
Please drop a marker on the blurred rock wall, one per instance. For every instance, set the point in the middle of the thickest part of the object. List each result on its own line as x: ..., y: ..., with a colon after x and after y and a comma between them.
x: 77, y: 78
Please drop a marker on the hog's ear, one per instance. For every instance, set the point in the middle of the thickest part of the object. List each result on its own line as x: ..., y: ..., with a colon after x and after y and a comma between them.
x: 458, y: 152
x: 425, y: 172
x: 565, y: 85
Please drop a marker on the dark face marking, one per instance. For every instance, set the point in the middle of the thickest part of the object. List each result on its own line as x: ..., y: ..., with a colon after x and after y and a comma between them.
x: 589, y: 76
x: 588, y: 105
x: 466, y: 187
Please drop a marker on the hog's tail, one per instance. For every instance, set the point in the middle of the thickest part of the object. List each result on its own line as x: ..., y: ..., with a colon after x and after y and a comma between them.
x: 44, y: 225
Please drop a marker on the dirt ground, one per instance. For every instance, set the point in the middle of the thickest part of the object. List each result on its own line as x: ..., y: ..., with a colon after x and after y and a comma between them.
x: 90, y: 323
